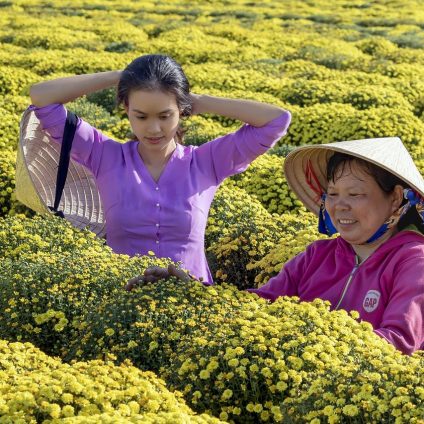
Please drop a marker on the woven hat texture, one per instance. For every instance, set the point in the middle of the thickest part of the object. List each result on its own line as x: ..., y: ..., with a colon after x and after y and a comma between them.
x: 36, y: 172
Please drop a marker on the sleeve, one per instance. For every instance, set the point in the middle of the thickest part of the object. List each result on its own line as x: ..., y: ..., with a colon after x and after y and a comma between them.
x: 403, y: 322
x: 286, y: 282
x: 232, y: 153
x: 88, y: 144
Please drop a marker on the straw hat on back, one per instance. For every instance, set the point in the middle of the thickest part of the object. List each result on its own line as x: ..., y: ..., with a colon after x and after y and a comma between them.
x: 388, y: 153
x: 36, y: 170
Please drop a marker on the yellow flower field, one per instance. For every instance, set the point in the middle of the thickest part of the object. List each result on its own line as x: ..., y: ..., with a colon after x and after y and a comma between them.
x: 75, y: 347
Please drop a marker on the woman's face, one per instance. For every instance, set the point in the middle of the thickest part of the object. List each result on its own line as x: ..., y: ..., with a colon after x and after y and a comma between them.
x: 154, y: 117
x: 357, y: 205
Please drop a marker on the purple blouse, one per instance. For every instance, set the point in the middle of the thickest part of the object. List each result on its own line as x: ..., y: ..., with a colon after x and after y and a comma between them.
x: 167, y: 217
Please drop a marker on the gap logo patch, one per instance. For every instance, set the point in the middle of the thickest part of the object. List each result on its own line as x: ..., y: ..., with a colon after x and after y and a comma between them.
x: 371, y: 300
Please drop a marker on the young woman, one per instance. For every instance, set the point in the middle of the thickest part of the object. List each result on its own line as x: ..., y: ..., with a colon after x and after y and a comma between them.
x: 371, y: 193
x: 156, y: 192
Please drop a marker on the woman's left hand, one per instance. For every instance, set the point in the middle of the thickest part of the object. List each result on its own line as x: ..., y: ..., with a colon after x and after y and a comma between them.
x: 195, y: 103
x: 248, y: 111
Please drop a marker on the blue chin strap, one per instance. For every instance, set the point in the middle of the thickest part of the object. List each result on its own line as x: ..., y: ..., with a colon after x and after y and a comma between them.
x: 325, y: 225
x: 381, y: 231
x: 413, y: 199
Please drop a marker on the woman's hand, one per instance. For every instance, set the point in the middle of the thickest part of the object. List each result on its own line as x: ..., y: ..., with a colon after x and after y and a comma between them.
x: 155, y: 273
x: 195, y: 104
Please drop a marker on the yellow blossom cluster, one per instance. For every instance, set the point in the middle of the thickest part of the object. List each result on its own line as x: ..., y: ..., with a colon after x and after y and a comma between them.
x: 341, y: 75
x: 38, y: 388
x: 238, y: 357
x: 13, y: 80
x: 240, y: 234
x: 11, y: 106
x: 7, y: 179
x: 256, y: 180
x: 282, y: 362
x: 345, y: 70
x: 297, y: 232
x: 61, y: 272
x: 232, y: 355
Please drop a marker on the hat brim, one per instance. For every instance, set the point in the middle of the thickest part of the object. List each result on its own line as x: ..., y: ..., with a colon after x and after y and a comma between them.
x: 36, y: 171
x: 387, y: 153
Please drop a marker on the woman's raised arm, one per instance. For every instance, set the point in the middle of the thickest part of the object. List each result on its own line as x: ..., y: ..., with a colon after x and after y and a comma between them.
x: 251, y: 112
x: 63, y: 90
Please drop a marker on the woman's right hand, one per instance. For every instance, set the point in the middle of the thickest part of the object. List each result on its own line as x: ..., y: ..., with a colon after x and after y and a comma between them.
x: 155, y: 273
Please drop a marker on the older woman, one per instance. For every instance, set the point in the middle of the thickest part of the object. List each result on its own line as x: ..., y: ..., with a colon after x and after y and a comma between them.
x: 372, y: 194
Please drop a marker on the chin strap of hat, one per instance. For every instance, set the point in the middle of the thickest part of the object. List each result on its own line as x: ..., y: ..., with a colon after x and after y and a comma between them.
x: 325, y: 225
x: 413, y: 199
x: 65, y: 154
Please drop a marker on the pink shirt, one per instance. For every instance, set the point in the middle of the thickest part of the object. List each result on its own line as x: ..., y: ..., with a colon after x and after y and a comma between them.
x: 387, y: 289
x: 167, y: 217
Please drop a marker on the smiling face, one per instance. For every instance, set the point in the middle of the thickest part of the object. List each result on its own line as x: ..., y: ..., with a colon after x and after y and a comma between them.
x: 357, y: 205
x: 154, y: 117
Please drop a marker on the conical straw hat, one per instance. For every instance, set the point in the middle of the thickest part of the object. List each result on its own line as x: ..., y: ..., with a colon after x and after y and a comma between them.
x: 388, y: 153
x: 36, y: 171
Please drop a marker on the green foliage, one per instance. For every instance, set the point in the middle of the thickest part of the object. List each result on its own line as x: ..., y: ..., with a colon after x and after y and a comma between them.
x: 105, y: 98
x: 98, y: 116
x: 119, y: 47
x: 7, y: 180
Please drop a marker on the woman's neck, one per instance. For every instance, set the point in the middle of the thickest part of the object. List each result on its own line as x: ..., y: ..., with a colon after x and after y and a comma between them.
x: 364, y: 251
x: 157, y: 158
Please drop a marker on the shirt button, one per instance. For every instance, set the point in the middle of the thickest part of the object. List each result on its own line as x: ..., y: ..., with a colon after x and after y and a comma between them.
x: 157, y: 241
x: 157, y: 205
x: 157, y: 225
x: 157, y: 188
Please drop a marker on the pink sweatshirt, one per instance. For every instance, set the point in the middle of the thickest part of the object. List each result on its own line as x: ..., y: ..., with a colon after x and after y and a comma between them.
x: 387, y: 289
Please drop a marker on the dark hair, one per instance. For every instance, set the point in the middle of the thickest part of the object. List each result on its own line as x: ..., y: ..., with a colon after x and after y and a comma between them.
x: 157, y: 72
x: 385, y: 179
